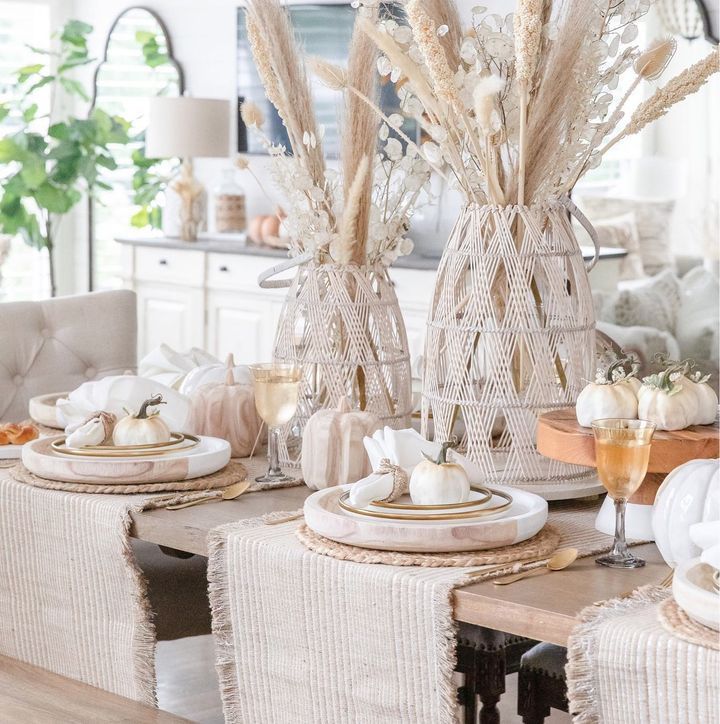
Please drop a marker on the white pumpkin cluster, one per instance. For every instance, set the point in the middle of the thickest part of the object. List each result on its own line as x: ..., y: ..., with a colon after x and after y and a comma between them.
x: 673, y: 399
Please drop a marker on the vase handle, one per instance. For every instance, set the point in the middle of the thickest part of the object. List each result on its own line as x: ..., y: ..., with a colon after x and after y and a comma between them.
x: 585, y: 223
x: 265, y: 280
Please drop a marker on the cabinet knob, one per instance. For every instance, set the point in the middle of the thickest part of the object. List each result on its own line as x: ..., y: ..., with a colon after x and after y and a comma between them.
x: 223, y: 268
x: 163, y: 262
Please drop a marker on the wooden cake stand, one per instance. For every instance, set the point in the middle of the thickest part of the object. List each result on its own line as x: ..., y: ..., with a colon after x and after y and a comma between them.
x: 560, y: 437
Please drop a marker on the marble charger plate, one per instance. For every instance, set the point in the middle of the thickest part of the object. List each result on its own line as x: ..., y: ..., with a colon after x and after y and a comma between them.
x: 694, y: 593
x: 211, y: 455
x: 525, y: 517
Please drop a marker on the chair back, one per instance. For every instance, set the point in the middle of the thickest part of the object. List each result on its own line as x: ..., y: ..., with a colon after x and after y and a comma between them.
x: 55, y: 345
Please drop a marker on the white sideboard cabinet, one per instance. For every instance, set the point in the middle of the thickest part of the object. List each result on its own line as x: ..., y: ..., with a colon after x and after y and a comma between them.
x: 205, y: 294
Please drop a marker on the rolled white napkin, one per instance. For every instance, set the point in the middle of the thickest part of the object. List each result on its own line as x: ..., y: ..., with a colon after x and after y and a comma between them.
x: 706, y: 536
x: 115, y: 393
x: 405, y: 449
x: 171, y: 368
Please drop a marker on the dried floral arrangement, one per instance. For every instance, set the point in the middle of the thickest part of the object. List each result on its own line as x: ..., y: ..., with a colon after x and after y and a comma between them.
x: 518, y: 108
x: 358, y: 214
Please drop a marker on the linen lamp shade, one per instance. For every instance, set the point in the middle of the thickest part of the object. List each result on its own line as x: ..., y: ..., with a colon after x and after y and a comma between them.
x: 188, y: 127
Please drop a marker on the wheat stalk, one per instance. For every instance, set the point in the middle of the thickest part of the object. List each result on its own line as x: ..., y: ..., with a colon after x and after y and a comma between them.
x: 685, y: 83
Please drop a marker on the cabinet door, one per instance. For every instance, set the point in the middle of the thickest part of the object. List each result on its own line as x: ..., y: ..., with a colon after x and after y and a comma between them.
x: 170, y: 314
x: 241, y: 323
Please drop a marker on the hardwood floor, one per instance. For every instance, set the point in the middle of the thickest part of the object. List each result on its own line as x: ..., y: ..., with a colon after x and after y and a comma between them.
x: 188, y: 686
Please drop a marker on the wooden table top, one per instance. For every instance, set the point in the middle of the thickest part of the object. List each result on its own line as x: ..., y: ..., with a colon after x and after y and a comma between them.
x: 543, y: 608
x: 31, y: 694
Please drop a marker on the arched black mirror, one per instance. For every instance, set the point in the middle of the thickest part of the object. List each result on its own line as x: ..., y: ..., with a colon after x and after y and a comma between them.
x: 137, y: 63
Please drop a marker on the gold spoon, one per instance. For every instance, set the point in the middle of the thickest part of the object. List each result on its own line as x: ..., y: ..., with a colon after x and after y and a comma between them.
x: 232, y: 491
x: 559, y: 560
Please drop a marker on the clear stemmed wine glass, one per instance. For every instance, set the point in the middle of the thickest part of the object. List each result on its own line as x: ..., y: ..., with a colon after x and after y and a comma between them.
x: 276, y: 398
x: 622, y: 453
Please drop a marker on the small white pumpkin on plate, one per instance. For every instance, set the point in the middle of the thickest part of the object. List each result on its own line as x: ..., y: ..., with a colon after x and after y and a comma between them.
x: 439, y: 482
x: 144, y: 427
x: 613, y: 394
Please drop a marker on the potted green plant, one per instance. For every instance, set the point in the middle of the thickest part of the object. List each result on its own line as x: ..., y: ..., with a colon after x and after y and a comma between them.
x: 55, y: 158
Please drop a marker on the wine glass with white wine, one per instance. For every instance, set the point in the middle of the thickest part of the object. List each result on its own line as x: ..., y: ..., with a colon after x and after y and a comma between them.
x: 622, y: 454
x: 276, y: 398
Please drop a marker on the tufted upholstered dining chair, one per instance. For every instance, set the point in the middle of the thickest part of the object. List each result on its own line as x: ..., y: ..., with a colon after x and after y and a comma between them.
x: 57, y: 344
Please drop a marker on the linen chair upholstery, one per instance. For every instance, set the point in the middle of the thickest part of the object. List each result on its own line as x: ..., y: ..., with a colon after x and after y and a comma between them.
x: 55, y: 345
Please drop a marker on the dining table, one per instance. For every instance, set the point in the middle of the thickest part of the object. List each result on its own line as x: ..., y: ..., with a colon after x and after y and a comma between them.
x: 543, y: 608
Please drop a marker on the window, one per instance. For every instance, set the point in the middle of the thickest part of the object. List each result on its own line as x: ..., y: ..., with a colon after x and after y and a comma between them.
x: 24, y: 274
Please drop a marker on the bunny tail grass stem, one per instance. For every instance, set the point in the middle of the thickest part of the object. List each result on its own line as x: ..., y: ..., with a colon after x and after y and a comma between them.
x: 522, y: 142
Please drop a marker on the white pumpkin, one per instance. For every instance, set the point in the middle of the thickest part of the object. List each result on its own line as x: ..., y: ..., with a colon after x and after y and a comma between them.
x: 613, y: 394
x: 689, y: 494
x: 226, y: 410
x: 332, y: 446
x: 213, y: 373
x: 666, y: 401
x: 707, y: 400
x: 438, y: 482
x: 143, y: 428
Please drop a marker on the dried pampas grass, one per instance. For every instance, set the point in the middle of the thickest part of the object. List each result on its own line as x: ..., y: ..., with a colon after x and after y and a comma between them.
x: 349, y: 248
x: 359, y: 134
x: 445, y: 14
x: 282, y: 72
x: 678, y: 88
x: 424, y: 32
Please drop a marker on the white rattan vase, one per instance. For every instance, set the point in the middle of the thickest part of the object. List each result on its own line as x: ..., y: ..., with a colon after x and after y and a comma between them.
x: 343, y: 326
x: 510, y: 335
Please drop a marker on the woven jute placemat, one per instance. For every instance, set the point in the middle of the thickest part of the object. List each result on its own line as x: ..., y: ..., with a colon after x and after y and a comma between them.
x: 231, y: 473
x: 543, y: 544
x: 675, y: 621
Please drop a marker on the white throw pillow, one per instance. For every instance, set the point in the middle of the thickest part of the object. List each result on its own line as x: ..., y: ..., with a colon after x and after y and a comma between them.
x: 653, y: 304
x: 619, y: 232
x: 643, y: 342
x: 652, y: 219
x: 698, y: 317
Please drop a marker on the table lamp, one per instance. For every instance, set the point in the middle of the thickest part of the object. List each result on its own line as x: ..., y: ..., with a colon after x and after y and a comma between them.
x: 187, y: 128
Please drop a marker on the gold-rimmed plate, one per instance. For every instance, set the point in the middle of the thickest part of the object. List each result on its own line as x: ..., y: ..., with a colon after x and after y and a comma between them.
x: 178, y: 443
x: 481, y: 496
x: 495, y: 507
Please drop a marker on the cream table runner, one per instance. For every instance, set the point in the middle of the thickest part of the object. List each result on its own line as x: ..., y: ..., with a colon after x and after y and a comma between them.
x: 72, y: 597
x: 303, y: 638
x: 625, y: 668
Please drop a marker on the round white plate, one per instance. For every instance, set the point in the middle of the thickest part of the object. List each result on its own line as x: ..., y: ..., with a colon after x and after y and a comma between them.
x: 43, y: 411
x: 10, y: 452
x: 694, y: 593
x: 208, y: 457
x: 525, y: 517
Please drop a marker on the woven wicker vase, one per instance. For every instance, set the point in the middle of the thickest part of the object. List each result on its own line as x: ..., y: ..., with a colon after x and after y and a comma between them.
x: 343, y: 326
x: 510, y: 335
